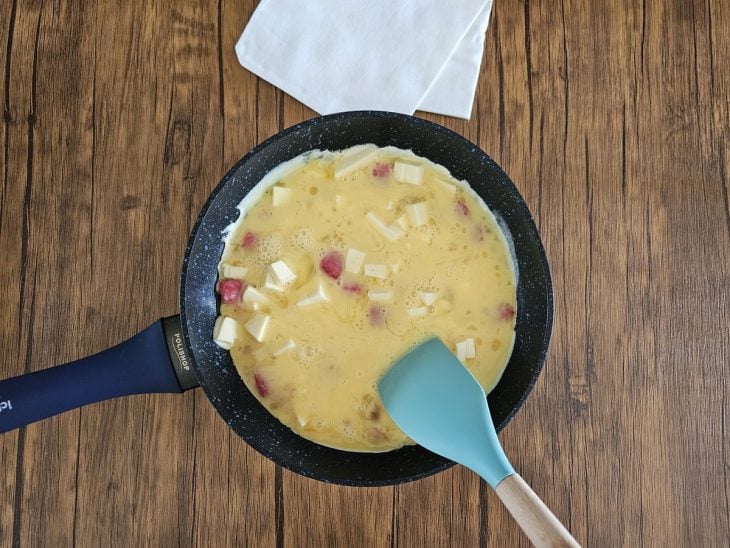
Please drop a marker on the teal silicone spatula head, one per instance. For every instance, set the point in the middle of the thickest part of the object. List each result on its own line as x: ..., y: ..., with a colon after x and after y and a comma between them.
x: 436, y: 401
x: 439, y: 404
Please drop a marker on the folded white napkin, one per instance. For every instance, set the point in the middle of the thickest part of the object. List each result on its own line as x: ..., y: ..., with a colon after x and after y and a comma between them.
x: 382, y: 55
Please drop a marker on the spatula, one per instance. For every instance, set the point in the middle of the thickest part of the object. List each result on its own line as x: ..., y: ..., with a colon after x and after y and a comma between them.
x: 437, y: 402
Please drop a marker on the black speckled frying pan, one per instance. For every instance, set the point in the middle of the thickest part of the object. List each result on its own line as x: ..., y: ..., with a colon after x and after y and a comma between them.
x: 177, y: 353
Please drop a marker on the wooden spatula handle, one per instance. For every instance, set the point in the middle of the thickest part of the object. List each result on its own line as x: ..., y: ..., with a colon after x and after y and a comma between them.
x: 536, y: 520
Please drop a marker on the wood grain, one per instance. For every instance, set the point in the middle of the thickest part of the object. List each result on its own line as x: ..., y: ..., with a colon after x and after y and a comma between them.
x: 613, y: 119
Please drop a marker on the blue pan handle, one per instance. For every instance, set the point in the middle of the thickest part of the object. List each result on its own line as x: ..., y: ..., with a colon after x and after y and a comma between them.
x: 154, y: 360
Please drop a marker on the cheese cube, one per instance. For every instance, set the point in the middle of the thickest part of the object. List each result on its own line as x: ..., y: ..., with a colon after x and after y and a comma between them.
x: 377, y: 223
x: 417, y: 312
x: 254, y: 298
x: 471, y: 351
x: 417, y: 213
x: 461, y: 351
x: 391, y: 233
x: 380, y: 295
x: 290, y: 345
x: 224, y: 332
x: 350, y: 161
x: 280, y: 195
x: 233, y: 271
x: 466, y: 350
x: 395, y: 232
x: 258, y: 325
x: 427, y: 297
x: 282, y: 273
x: 319, y: 295
x: 353, y: 260
x: 272, y: 283
x: 376, y: 270
x: 408, y: 173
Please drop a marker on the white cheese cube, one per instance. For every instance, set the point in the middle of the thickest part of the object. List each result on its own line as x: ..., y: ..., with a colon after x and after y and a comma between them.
x: 466, y: 350
x: 395, y: 232
x: 380, y: 295
x: 376, y: 270
x: 417, y: 213
x: 353, y: 260
x: 224, y: 332
x: 272, y: 283
x: 461, y: 351
x: 448, y: 187
x: 427, y: 297
x: 233, y: 271
x: 408, y: 173
x: 258, y: 325
x: 391, y: 233
x: 377, y: 223
x: 282, y: 273
x: 471, y: 351
x: 353, y: 160
x: 280, y: 195
x: 319, y: 295
x: 253, y: 298
x: 290, y: 345
x: 417, y: 312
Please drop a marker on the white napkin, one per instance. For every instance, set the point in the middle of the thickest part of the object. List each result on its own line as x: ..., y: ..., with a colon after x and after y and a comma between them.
x: 452, y: 93
x: 343, y: 55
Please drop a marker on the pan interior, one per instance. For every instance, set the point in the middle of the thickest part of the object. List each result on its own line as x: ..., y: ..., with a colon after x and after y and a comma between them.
x: 215, y: 370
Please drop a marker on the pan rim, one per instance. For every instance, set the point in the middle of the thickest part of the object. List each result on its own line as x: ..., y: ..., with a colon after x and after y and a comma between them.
x: 427, y: 125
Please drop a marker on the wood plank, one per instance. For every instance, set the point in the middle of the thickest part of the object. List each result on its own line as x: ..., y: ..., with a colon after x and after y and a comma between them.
x: 52, y: 235
x: 13, y: 335
x: 686, y: 228
x: 133, y: 232
x: 317, y: 514
x: 137, y: 214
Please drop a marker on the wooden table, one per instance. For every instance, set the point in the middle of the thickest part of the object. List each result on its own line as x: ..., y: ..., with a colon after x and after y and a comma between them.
x: 613, y: 119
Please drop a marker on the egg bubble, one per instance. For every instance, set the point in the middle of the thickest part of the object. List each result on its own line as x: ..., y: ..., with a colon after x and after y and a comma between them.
x: 268, y: 250
x: 302, y: 239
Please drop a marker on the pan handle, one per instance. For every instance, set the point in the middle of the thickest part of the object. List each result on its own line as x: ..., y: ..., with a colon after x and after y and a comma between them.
x: 154, y: 360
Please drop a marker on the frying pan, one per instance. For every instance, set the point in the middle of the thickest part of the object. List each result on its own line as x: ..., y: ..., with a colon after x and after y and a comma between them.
x: 176, y: 354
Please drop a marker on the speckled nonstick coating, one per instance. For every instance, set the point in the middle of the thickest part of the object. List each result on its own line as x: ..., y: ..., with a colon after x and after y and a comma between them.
x: 198, y: 303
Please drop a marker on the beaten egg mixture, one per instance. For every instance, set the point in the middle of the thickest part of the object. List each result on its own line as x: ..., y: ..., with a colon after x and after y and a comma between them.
x: 339, y: 264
